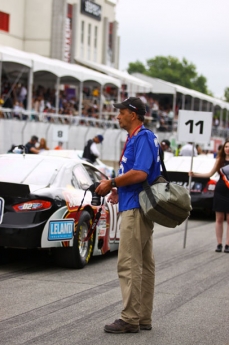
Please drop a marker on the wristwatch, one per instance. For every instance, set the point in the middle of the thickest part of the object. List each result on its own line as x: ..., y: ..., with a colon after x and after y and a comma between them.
x: 113, y: 183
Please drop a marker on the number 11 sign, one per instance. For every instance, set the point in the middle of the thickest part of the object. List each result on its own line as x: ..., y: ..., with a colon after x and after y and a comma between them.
x: 194, y: 126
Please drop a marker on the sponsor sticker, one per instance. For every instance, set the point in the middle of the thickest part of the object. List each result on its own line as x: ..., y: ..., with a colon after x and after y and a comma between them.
x: 61, y: 230
x: 195, y: 186
x: 2, y: 203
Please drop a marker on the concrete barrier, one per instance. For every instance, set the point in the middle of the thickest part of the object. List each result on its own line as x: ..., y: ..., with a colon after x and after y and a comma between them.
x: 14, y: 132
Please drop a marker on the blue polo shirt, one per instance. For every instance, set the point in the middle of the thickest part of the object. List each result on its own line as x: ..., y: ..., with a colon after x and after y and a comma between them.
x: 141, y: 153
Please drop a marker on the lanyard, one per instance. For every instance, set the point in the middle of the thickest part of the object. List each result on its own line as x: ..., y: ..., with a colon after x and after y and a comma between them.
x: 127, y: 139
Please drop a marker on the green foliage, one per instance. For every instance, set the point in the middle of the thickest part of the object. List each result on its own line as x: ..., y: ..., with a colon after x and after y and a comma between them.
x: 226, y: 94
x: 136, y: 67
x: 173, y: 70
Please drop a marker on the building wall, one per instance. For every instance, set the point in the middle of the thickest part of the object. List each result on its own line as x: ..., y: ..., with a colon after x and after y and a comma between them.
x: 15, y: 37
x: 39, y: 26
x: 38, y: 19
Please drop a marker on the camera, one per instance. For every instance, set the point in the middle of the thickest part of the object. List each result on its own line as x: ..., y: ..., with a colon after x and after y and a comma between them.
x: 96, y: 199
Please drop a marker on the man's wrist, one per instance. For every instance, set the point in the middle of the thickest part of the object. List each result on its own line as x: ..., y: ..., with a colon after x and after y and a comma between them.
x: 113, y: 183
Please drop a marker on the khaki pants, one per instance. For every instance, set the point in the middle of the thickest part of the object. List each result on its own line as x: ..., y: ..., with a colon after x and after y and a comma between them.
x: 136, y: 267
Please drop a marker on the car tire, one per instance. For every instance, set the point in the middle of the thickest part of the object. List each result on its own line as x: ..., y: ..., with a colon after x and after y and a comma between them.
x: 78, y: 255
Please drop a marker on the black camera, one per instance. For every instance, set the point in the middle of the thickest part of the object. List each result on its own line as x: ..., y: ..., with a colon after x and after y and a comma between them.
x: 96, y: 199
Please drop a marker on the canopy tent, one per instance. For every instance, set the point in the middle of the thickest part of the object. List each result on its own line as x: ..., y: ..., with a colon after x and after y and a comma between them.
x: 133, y: 85
x: 164, y: 87
x: 62, y: 72
x: 57, y: 67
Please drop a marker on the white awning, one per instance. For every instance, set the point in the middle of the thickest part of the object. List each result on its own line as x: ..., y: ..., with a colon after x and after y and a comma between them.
x: 134, y: 85
x: 57, y: 67
x: 164, y: 87
x: 12, y: 55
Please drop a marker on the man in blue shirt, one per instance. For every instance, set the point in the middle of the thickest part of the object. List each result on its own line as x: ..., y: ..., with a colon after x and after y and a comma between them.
x: 136, y: 268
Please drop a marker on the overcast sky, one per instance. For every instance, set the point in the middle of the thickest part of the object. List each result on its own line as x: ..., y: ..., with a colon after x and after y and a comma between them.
x: 195, y: 29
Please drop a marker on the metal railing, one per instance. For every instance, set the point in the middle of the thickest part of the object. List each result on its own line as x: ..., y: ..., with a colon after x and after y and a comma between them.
x: 106, y: 120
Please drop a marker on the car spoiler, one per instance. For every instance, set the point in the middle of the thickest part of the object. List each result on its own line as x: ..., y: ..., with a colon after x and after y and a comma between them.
x: 181, y: 176
x: 14, y: 189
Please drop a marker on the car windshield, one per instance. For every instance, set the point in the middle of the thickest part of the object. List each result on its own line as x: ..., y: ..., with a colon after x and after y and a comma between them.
x: 28, y: 171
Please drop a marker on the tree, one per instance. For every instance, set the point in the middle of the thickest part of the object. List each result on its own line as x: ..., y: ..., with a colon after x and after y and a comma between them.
x: 136, y: 67
x: 226, y: 94
x: 173, y: 70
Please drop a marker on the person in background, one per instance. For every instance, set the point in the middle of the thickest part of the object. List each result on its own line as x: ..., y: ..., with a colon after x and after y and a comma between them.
x: 59, y: 146
x: 30, y: 147
x: 136, y: 267
x: 165, y: 146
x: 187, y: 150
x: 177, y: 152
x: 221, y: 197
x: 199, y: 149
x: 216, y: 153
x: 91, y: 152
x: 43, y: 145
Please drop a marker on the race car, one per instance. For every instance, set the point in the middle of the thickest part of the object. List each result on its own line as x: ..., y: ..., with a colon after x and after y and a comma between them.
x: 201, y: 189
x: 40, y: 207
x: 106, y: 169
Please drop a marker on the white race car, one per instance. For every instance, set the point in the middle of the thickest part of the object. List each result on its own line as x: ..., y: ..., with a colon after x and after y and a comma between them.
x: 40, y: 198
x: 106, y: 169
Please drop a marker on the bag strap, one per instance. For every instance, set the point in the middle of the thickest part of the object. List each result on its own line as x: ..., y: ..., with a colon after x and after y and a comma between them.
x: 92, y: 228
x: 163, y: 164
x: 161, y: 157
x: 146, y: 185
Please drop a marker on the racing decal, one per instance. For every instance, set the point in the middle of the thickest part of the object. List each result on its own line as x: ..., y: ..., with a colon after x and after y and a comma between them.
x: 121, y: 169
x: 72, y: 200
x: 195, y: 186
x: 2, y: 203
x: 61, y: 229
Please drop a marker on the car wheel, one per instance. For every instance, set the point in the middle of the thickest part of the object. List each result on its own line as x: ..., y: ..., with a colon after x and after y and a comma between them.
x: 78, y: 255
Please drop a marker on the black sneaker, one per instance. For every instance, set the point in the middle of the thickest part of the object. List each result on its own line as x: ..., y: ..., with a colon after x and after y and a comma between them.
x: 120, y: 326
x: 226, y: 249
x: 219, y: 248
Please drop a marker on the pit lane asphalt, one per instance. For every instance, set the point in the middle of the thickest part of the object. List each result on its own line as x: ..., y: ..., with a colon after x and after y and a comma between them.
x: 41, y: 303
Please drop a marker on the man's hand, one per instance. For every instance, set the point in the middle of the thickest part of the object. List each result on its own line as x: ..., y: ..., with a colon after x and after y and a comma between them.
x: 113, y: 197
x: 104, y: 187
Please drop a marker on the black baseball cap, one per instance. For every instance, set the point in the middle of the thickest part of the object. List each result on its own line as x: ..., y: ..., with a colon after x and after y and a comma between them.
x: 165, y: 142
x: 34, y: 138
x: 133, y: 103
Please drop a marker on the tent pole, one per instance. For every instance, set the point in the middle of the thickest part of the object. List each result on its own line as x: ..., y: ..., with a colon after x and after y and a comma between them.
x: 183, y: 101
x: 119, y: 95
x: 221, y: 117
x: 192, y: 103
x: 80, y: 98
x: 57, y: 94
x: 101, y: 103
x: 174, y: 108
x: 30, y: 89
x: 174, y: 103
